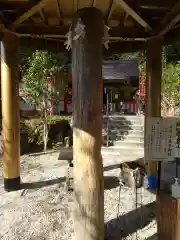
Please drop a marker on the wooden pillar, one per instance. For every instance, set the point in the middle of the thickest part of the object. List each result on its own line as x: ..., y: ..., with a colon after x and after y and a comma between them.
x: 10, y: 112
x: 153, y: 90
x: 87, y: 133
x: 168, y: 218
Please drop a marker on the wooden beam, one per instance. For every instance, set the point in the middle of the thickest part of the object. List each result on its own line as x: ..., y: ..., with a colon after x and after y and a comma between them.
x: 61, y: 37
x: 75, y: 5
x: 43, y: 16
x: 169, y: 21
x: 94, y: 3
x: 133, y: 14
x: 15, y: 5
x: 172, y: 36
x: 110, y: 10
x: 59, y: 11
x: 58, y: 46
x: 30, y: 12
x: 41, y: 29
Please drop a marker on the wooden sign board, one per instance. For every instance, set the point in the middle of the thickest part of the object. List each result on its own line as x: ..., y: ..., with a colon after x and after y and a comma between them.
x: 160, y: 139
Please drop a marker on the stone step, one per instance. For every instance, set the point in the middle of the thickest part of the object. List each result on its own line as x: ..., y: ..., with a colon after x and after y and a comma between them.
x: 125, y: 118
x: 129, y: 144
x: 112, y: 157
x: 121, y: 127
x: 122, y: 150
x: 130, y: 137
x: 116, y: 121
x: 123, y: 135
x: 123, y: 122
x: 111, y: 160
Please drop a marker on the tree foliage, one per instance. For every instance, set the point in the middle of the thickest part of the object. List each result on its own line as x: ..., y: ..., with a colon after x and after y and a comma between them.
x: 171, y: 87
x: 37, y: 71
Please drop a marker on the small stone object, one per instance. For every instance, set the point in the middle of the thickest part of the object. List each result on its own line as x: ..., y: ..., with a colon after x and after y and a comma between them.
x: 131, y: 175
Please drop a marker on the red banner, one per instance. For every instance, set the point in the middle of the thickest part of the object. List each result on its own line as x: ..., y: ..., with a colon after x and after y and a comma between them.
x: 142, y: 86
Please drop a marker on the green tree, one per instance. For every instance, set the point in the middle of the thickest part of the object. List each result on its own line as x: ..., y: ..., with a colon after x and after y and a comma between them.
x: 170, y: 88
x: 36, y: 76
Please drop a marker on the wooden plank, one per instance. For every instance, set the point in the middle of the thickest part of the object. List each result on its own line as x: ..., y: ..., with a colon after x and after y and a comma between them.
x: 87, y: 133
x: 110, y: 11
x: 59, y: 11
x: 169, y: 21
x: 30, y: 12
x: 43, y: 16
x: 133, y: 14
x: 168, y: 217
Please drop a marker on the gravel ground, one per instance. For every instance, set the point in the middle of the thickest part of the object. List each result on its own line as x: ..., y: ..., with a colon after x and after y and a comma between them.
x: 43, y: 210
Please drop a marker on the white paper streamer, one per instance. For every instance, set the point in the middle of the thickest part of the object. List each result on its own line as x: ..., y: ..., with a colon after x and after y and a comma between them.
x: 79, y: 31
x: 106, y: 37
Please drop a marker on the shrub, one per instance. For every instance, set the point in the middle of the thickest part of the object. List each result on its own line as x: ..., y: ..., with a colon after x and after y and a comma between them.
x: 58, y: 129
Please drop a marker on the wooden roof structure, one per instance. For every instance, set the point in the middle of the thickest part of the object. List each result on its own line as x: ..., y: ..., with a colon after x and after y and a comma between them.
x: 130, y: 21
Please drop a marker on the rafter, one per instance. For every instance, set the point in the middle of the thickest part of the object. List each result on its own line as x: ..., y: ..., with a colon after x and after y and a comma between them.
x: 169, y: 21
x: 43, y: 16
x: 94, y: 3
x: 75, y: 4
x: 59, y: 11
x: 39, y: 29
x: 110, y: 10
x: 30, y: 12
x: 133, y: 14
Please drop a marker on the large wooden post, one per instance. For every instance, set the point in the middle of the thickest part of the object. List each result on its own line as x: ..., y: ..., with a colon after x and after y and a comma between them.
x: 153, y: 95
x: 10, y: 112
x: 87, y: 115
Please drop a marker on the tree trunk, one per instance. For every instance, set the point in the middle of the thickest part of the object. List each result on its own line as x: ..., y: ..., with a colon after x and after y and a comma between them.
x: 87, y: 131
x: 45, y: 135
x: 45, y: 126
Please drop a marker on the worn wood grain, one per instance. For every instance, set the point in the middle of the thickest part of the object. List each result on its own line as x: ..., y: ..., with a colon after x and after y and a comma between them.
x: 87, y: 132
x: 168, y: 218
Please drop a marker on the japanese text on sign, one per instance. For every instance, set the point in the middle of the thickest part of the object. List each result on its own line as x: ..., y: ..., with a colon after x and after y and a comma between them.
x: 160, y: 142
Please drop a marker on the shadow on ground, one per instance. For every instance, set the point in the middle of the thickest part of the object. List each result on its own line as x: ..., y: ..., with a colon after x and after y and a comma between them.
x: 111, y: 167
x: 116, y: 127
x: 154, y: 237
x: 41, y: 184
x: 109, y: 183
x: 129, y: 223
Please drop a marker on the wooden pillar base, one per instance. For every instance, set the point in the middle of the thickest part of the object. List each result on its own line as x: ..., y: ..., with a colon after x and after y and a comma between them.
x: 12, y: 184
x: 168, y: 218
